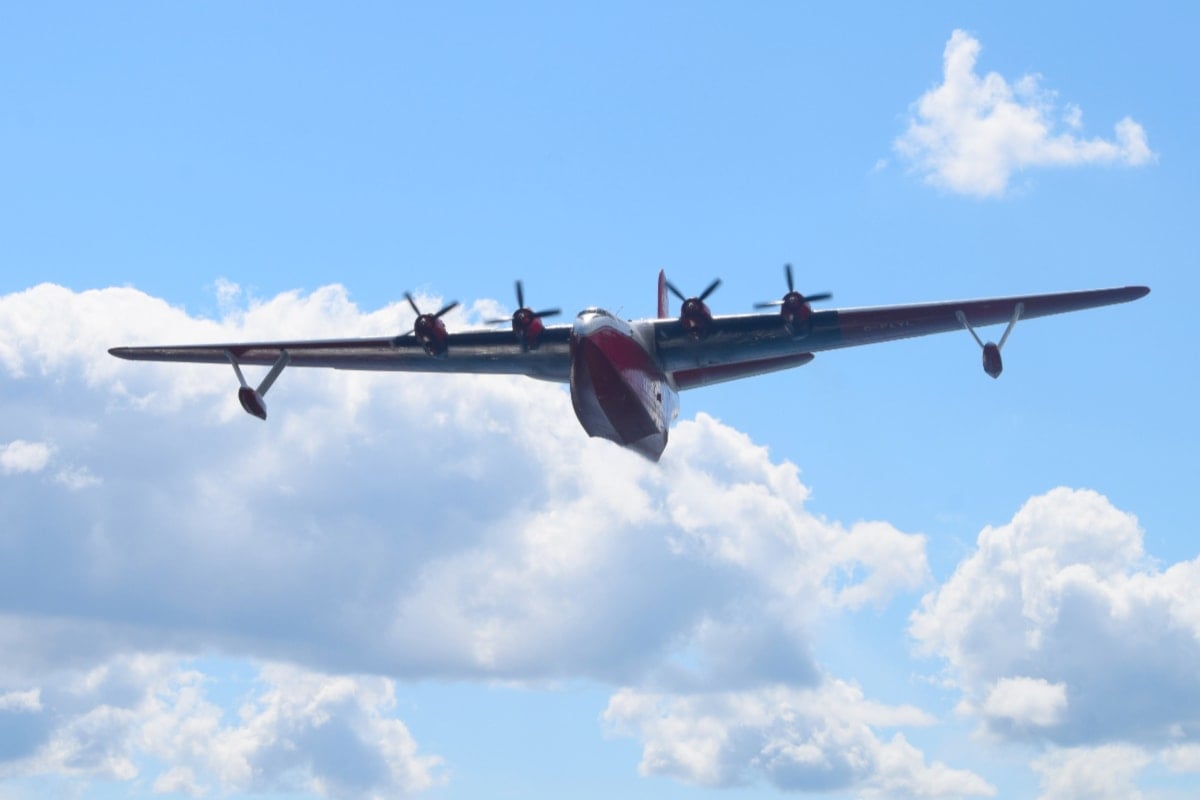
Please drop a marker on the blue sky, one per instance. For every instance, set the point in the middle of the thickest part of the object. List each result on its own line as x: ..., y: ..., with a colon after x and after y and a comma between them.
x: 880, y: 575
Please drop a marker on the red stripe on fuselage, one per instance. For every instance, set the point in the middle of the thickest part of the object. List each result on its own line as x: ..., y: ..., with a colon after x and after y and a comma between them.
x: 617, y: 388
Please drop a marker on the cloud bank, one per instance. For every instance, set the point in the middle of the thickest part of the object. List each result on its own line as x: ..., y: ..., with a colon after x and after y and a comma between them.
x: 298, y: 731
x: 407, y: 526
x: 970, y: 134
x: 819, y: 740
x: 1059, y: 630
x: 387, y: 528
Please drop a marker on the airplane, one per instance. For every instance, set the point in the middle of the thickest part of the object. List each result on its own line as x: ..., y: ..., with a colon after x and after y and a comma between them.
x: 625, y: 375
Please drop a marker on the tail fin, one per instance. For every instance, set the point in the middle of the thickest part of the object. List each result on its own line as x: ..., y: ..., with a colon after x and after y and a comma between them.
x: 663, y: 310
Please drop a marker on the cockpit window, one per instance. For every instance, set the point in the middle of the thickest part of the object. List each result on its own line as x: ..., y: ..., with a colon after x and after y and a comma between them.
x: 594, y: 310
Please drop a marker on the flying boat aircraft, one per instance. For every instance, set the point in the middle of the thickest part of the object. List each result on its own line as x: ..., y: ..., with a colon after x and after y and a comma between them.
x: 625, y: 375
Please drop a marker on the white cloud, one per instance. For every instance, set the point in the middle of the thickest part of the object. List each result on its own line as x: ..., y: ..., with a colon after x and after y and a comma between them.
x: 30, y: 700
x: 1073, y: 116
x: 21, y: 456
x: 178, y: 780
x: 818, y: 739
x: 1097, y: 773
x: 1183, y: 758
x: 337, y: 536
x: 76, y: 478
x: 1058, y: 627
x: 971, y: 133
x: 565, y: 539
x: 228, y: 293
x: 903, y: 773
x: 1026, y: 701
x: 301, y: 731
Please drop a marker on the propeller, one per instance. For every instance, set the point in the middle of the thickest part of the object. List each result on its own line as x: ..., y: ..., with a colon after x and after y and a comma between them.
x: 694, y: 316
x: 793, y: 297
x: 446, y: 308
x: 526, y: 323
x: 712, y: 287
x: 429, y: 328
x: 523, y: 316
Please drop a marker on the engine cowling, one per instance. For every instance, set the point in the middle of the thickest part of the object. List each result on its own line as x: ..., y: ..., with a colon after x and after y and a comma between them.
x: 528, y: 327
x: 695, y: 317
x: 431, y: 332
x: 429, y: 328
x: 795, y: 311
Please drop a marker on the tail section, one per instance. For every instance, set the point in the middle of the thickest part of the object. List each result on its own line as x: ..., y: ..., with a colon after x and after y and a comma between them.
x: 663, y: 310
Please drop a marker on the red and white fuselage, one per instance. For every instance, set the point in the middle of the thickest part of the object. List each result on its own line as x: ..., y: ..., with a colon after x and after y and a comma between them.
x: 618, y: 387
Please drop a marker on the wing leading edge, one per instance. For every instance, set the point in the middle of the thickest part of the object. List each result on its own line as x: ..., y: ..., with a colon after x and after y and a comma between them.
x: 483, y: 352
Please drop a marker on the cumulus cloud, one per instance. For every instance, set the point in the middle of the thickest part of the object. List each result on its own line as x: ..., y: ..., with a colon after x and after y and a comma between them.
x: 1097, y: 773
x: 76, y: 478
x: 30, y: 700
x: 1183, y: 758
x: 544, y: 574
x: 817, y: 739
x: 1059, y: 628
x: 971, y: 133
x: 142, y: 715
x: 1026, y: 701
x: 21, y: 456
x: 336, y: 536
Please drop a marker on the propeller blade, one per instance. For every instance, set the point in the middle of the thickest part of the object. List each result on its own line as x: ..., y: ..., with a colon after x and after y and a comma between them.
x: 675, y: 291
x: 451, y: 305
x: 712, y: 287
x: 412, y: 303
x: 504, y: 321
x: 520, y: 295
x: 791, y: 285
x: 549, y: 312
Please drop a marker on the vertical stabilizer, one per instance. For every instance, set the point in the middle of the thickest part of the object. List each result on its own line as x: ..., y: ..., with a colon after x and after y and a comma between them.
x: 663, y: 311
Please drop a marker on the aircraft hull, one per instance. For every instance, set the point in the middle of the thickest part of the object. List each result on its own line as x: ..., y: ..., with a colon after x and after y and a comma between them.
x: 617, y: 387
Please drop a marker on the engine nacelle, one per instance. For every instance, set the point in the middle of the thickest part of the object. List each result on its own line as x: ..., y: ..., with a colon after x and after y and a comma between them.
x: 253, y: 402
x: 528, y: 327
x: 429, y: 328
x: 795, y: 311
x: 431, y: 332
x: 695, y: 317
x: 992, y: 363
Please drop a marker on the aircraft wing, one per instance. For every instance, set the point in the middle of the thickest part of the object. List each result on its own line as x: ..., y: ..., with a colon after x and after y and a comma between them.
x: 747, y: 344
x: 483, y: 351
